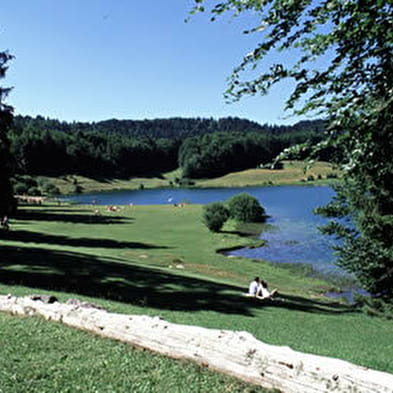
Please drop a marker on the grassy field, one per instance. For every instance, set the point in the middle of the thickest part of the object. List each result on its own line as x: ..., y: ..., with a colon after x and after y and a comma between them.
x: 66, y: 184
x: 293, y: 173
x: 157, y: 260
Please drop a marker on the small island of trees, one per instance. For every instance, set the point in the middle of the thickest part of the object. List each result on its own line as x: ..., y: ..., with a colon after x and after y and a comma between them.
x: 241, y: 208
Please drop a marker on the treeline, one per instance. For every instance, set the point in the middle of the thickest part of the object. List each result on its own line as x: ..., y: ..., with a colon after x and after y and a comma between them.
x: 54, y: 153
x: 176, y: 127
x: 50, y: 147
x: 213, y: 155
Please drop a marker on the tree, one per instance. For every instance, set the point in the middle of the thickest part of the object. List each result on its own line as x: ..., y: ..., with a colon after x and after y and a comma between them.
x: 341, y: 60
x: 245, y: 208
x: 7, y: 203
x: 214, y: 215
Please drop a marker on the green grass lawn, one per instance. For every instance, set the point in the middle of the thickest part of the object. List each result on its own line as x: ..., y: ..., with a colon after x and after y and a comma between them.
x: 42, y: 357
x: 162, y: 260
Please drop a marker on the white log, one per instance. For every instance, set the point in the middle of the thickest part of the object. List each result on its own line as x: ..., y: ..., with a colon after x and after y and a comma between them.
x: 236, y: 353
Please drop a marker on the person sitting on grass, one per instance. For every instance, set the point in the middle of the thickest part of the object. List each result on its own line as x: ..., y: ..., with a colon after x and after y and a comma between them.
x: 264, y: 292
x: 255, y: 286
x: 258, y: 288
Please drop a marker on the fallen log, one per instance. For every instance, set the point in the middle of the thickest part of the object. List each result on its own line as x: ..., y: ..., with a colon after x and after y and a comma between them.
x: 236, y: 353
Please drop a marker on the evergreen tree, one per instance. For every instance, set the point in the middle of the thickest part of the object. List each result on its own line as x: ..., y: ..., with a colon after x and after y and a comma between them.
x: 7, y: 203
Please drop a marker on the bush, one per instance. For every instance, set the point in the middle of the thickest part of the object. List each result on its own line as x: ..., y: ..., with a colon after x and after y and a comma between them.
x: 331, y: 175
x: 185, y: 182
x: 20, y: 189
x: 246, y: 208
x: 77, y: 189
x: 374, y: 306
x: 28, y: 180
x: 34, y: 191
x: 214, y: 215
x: 50, y: 189
x: 277, y: 165
x: 25, y: 184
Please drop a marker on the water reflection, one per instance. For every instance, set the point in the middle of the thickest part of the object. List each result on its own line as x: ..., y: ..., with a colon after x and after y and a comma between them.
x: 293, y: 235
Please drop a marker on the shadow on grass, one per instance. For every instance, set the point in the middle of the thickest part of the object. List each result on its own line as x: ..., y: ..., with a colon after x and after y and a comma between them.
x: 119, y: 281
x: 104, y: 278
x: 62, y: 216
x: 108, y: 179
x: 248, y: 229
x: 36, y: 237
x: 300, y: 303
x: 60, y: 210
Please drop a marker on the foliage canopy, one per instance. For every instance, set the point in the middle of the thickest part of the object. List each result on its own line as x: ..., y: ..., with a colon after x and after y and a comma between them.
x: 214, y: 215
x: 124, y: 148
x: 246, y: 208
x: 341, y: 60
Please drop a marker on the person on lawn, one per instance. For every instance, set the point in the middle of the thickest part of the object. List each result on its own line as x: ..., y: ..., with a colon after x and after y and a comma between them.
x: 264, y: 292
x: 258, y: 288
x: 254, y: 287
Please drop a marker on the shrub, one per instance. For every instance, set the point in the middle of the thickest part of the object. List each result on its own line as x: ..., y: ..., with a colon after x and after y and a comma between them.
x: 331, y: 175
x: 77, y: 189
x: 28, y: 180
x: 20, y: 189
x: 34, y: 191
x: 246, y: 208
x: 374, y: 306
x: 185, y: 182
x: 50, y: 189
x: 310, y: 178
x: 214, y: 215
x: 25, y: 184
x: 277, y: 165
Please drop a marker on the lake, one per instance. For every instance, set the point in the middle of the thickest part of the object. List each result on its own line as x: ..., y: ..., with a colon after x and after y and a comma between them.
x: 293, y: 236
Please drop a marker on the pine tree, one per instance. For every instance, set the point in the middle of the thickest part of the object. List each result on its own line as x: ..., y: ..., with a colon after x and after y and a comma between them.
x: 7, y: 203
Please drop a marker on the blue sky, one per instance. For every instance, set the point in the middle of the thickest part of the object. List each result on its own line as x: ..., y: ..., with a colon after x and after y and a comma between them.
x: 89, y: 60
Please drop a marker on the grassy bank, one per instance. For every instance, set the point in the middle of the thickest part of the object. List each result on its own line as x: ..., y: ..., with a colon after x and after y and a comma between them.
x: 43, y: 357
x: 292, y: 173
x: 161, y: 260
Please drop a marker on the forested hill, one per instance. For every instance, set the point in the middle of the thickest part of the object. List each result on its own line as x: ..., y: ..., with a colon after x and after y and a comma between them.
x: 124, y: 148
x: 176, y: 127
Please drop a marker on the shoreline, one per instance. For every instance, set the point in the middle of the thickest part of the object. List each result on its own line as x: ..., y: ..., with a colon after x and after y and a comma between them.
x: 343, y: 287
x: 107, y: 191
x: 293, y: 174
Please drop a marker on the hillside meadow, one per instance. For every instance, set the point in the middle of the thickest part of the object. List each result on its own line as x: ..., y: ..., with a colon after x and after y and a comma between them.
x: 292, y: 173
x: 158, y: 260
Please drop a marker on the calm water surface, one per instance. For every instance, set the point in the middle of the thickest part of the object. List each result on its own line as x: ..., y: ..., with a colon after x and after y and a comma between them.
x: 293, y: 237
